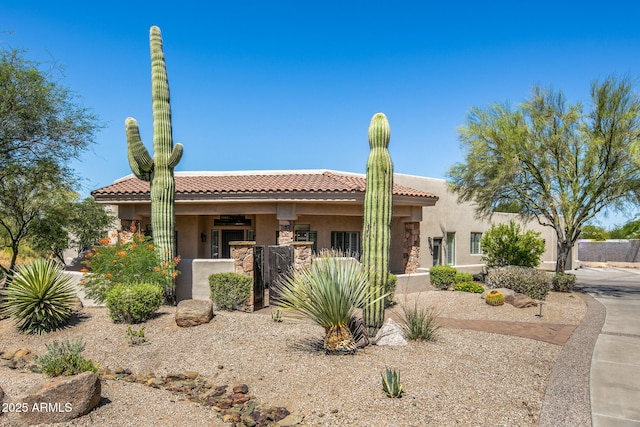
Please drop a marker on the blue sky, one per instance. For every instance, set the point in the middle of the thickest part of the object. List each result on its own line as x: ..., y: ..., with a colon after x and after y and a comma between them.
x: 293, y: 84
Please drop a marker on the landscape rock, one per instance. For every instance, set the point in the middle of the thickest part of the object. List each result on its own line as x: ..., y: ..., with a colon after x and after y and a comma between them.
x: 520, y: 301
x: 1, y: 400
x: 193, y: 312
x: 390, y: 334
x: 359, y: 331
x: 62, y: 399
x: 76, y: 305
x: 290, y: 420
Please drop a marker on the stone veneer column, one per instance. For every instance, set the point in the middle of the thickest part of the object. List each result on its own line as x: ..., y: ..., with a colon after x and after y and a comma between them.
x: 242, y: 254
x: 302, y: 252
x: 411, y: 247
x: 286, y: 233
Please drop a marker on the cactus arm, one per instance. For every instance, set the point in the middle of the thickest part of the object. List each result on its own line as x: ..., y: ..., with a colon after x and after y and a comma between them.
x: 140, y: 161
x: 176, y: 155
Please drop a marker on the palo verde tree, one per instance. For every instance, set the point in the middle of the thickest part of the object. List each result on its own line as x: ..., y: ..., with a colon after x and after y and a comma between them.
x: 376, y: 228
x: 158, y: 170
x: 556, y: 162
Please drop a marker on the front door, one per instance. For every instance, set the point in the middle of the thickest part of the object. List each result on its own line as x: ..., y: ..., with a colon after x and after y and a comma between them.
x: 230, y: 236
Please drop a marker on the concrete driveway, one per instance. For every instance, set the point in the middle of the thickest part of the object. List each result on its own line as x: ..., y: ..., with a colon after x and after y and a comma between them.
x: 615, y: 365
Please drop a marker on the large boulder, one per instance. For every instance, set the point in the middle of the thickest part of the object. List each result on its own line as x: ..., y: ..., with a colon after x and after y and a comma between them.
x: 520, y: 301
x: 390, y: 334
x: 62, y: 399
x: 193, y: 312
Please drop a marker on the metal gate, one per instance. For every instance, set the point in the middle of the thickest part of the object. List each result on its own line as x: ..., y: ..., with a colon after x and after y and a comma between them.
x: 270, y: 263
x: 258, y: 277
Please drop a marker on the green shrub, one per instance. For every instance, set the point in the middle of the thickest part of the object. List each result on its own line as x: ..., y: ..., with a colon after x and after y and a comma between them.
x: 506, y: 244
x: 420, y: 323
x: 463, y: 277
x: 64, y: 359
x: 230, y: 290
x: 390, y: 290
x: 442, y: 276
x: 39, y: 297
x: 534, y: 283
x: 136, y: 336
x: 469, y: 286
x: 133, y: 303
x: 132, y: 259
x: 563, y: 282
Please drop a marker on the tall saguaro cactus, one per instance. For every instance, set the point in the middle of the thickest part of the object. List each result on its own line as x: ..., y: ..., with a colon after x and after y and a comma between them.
x: 378, y: 207
x: 159, y: 169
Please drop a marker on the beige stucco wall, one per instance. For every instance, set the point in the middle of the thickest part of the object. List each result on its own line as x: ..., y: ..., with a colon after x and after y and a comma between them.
x: 450, y: 216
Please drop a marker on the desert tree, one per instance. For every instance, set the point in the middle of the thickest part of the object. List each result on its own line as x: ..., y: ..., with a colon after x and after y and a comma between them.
x: 42, y: 128
x: 554, y: 161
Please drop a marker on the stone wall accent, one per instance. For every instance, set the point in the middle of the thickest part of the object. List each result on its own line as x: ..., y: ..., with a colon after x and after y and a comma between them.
x: 242, y: 254
x: 285, y: 235
x: 302, y: 252
x: 411, y: 247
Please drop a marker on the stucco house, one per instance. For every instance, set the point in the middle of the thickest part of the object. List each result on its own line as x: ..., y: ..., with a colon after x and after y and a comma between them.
x: 429, y: 226
x: 271, y: 208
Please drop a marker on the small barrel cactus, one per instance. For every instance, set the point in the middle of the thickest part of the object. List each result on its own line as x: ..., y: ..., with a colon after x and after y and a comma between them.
x: 495, y: 297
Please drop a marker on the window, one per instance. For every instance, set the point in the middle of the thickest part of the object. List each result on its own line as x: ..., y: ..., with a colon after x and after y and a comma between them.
x: 347, y: 242
x: 303, y: 233
x: 451, y: 248
x: 474, y: 244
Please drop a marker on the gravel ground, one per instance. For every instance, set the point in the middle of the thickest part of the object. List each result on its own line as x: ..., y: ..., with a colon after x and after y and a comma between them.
x: 465, y: 378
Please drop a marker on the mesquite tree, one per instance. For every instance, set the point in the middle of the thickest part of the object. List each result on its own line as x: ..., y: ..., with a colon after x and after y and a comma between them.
x: 159, y: 169
x: 376, y: 229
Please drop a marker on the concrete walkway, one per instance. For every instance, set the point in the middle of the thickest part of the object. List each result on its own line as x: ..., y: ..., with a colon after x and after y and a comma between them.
x: 615, y: 365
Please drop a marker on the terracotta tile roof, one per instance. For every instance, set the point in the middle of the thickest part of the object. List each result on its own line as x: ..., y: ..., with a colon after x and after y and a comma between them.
x: 246, y: 183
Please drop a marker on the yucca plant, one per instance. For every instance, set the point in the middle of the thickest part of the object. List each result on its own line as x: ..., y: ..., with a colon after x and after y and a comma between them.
x: 39, y: 297
x: 328, y: 292
x: 391, y: 382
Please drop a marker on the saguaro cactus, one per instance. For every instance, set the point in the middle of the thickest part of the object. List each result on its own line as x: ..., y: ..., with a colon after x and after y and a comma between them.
x: 376, y: 229
x: 159, y: 169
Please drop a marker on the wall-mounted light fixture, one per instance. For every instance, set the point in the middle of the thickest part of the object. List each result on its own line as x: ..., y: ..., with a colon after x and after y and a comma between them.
x: 203, y: 238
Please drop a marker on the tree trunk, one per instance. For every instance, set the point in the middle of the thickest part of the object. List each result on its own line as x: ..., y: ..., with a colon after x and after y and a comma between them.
x: 564, y: 249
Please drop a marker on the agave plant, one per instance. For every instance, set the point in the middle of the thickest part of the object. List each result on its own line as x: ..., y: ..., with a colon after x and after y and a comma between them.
x: 39, y: 297
x: 328, y: 292
x: 391, y: 383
